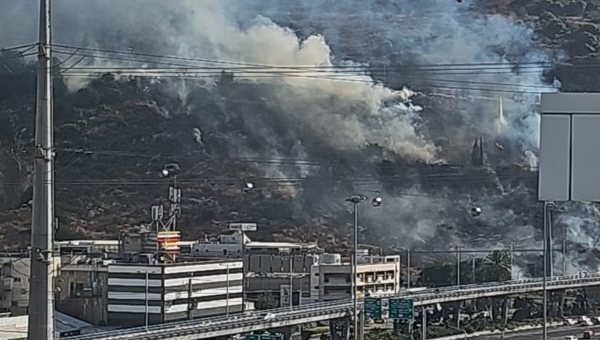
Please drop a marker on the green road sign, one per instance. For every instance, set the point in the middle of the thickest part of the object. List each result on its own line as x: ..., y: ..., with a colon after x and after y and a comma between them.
x: 372, y: 308
x: 270, y: 337
x: 252, y: 337
x: 401, y: 309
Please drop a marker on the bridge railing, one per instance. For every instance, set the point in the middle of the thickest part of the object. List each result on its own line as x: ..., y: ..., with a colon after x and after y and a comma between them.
x: 297, y: 311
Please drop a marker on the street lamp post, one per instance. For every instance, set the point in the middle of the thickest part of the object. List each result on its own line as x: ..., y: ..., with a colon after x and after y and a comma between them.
x: 548, y: 207
x: 356, y: 200
x: 408, y: 276
x: 147, y: 316
x: 458, y: 266
x: 291, y: 297
x: 544, y: 292
x: 227, y: 291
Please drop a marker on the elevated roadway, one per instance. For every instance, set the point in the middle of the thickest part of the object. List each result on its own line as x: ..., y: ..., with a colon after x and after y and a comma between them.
x: 284, y: 317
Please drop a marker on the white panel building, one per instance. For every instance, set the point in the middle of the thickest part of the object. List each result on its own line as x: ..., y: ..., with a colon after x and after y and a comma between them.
x: 169, y: 292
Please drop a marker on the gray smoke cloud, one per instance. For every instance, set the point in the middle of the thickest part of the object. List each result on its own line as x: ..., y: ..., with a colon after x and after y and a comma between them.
x: 346, y: 111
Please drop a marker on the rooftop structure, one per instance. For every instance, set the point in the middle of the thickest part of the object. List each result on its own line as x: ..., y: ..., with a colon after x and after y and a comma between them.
x: 237, y: 243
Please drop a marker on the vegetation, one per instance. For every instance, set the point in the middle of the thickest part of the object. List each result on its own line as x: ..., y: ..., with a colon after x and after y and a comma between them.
x: 496, y: 266
x: 266, y: 301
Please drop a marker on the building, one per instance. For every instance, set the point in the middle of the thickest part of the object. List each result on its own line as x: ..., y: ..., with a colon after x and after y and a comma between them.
x: 275, y: 274
x: 270, y: 267
x: 15, y: 284
x: 175, y: 291
x: 331, y: 278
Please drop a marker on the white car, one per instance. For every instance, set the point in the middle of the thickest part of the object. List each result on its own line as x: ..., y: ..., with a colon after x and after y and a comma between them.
x: 570, y: 337
x: 269, y: 316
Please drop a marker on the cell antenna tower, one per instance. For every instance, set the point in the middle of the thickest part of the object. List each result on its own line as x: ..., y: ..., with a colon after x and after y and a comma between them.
x: 41, y: 292
x: 167, y: 235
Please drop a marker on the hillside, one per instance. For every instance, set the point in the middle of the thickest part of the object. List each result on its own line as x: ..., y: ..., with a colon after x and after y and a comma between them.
x: 307, y: 144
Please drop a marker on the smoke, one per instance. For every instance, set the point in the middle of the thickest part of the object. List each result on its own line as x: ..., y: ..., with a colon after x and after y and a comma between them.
x: 299, y: 106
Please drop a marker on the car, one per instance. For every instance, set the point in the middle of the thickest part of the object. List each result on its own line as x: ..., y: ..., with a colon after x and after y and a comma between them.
x: 570, y: 337
x: 269, y: 316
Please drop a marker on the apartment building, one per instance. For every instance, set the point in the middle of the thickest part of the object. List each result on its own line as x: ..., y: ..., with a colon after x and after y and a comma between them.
x: 331, y: 277
x: 15, y: 284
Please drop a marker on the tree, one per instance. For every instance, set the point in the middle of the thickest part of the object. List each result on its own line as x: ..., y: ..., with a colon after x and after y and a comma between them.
x: 265, y: 301
x: 497, y: 266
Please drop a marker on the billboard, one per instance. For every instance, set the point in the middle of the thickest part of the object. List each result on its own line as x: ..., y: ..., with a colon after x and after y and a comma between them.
x: 569, y: 154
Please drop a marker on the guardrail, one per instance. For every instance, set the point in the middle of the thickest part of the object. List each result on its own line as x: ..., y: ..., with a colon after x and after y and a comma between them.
x: 253, y: 321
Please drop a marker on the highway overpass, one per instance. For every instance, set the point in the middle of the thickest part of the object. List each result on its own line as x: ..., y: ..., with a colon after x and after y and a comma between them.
x: 284, y: 317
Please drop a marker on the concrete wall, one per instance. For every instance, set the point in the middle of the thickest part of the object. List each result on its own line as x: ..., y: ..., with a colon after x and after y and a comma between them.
x: 83, y: 292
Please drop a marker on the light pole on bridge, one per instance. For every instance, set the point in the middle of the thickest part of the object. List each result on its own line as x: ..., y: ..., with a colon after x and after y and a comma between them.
x: 356, y: 200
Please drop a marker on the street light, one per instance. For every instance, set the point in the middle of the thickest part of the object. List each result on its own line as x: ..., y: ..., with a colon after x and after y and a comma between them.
x: 548, y: 206
x: 356, y: 200
x: 476, y: 211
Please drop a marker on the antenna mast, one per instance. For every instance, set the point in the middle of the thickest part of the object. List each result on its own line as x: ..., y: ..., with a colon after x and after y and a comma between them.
x: 41, y: 291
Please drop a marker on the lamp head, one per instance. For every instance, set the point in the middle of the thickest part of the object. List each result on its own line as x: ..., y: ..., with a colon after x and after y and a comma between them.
x: 377, y: 201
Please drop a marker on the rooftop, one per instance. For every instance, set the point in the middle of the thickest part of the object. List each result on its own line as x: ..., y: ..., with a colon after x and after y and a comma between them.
x: 14, y: 327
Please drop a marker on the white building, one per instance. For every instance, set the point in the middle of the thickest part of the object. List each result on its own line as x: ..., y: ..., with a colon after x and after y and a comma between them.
x: 331, y: 278
x: 173, y: 291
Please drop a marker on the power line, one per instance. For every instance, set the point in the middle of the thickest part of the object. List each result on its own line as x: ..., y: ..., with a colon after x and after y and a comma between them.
x: 246, y: 64
x: 251, y: 71
x: 283, y: 161
x: 19, y: 47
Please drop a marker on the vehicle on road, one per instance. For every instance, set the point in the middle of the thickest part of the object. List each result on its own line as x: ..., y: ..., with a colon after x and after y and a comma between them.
x: 571, y: 337
x: 588, y: 335
x: 269, y: 316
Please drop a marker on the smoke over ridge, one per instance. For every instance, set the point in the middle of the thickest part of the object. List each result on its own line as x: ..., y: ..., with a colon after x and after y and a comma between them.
x: 346, y: 111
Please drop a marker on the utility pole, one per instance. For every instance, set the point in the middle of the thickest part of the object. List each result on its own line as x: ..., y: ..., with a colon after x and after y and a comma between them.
x: 41, y: 292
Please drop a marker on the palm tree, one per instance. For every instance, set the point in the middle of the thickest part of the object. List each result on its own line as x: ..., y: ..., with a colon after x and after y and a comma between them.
x: 498, y: 266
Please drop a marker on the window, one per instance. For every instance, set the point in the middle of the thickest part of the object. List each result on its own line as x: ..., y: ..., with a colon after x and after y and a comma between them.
x: 17, y: 279
x: 225, y: 252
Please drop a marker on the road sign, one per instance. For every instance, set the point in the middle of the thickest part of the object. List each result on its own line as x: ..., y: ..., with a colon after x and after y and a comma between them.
x: 401, y: 309
x: 243, y: 226
x: 372, y: 308
x: 252, y: 337
x: 270, y: 337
